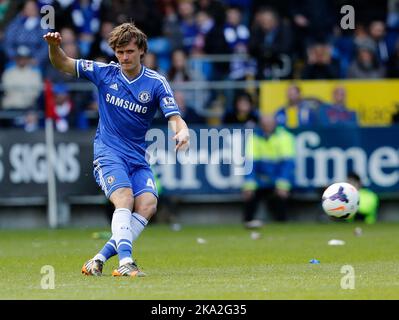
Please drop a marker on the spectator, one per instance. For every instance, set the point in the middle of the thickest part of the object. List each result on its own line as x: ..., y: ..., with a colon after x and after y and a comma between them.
x: 69, y: 42
x: 118, y: 11
x: 20, y: 94
x: 246, y: 7
x: 187, y: 112
x: 179, y: 70
x: 361, y: 34
x: 215, y: 8
x: 392, y: 16
x: 282, y: 7
x: 377, y: 31
x: 320, y: 64
x: 25, y: 30
x: 270, y: 40
x: 88, y: 117
x: 30, y: 121
x: 298, y: 112
x: 343, y: 47
x: 366, y: 65
x: 209, y: 40
x: 86, y: 20
x: 368, y: 201
x: 188, y: 24
x: 337, y: 113
x: 171, y: 26
x: 159, y: 40
x: 180, y: 73
x: 8, y: 10
x: 236, y: 35
x: 63, y: 107
x: 151, y: 61
x: 100, y: 45
x: 271, y: 150
x: 313, y: 21
x: 210, y: 37
x: 243, y: 112
x: 343, y: 52
x: 393, y: 65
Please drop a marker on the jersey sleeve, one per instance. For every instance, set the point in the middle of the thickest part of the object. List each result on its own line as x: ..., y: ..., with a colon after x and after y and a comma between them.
x: 167, y: 101
x: 90, y: 70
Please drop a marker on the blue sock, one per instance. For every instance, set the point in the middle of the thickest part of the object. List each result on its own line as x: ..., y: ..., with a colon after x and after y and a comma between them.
x: 108, y: 251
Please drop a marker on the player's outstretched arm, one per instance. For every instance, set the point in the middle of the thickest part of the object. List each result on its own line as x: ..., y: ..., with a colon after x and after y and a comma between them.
x: 182, y: 135
x: 57, y: 56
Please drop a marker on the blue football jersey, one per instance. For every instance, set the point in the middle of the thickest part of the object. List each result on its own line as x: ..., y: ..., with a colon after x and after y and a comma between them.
x: 127, y: 107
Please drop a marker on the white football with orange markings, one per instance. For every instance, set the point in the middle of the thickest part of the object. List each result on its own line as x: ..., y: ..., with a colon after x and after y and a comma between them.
x: 340, y: 201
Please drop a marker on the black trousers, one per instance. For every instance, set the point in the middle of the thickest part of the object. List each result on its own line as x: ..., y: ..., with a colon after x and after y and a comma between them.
x: 276, y: 205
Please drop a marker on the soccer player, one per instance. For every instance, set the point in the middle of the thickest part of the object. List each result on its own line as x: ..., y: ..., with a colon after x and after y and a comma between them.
x: 129, y: 95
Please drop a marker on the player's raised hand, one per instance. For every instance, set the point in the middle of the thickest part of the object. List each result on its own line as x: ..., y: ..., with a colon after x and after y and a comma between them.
x: 53, y: 38
x: 182, y: 138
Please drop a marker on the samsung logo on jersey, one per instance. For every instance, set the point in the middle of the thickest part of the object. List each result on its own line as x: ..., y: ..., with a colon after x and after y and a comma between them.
x: 119, y: 102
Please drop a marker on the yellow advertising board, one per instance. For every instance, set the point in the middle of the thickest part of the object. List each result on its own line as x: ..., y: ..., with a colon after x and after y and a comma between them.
x: 374, y: 100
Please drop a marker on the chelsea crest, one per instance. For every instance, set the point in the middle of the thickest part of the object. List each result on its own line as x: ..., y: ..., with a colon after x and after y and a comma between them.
x: 144, y: 96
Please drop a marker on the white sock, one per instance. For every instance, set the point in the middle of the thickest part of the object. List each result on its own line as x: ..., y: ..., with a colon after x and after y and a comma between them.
x: 137, y: 224
x: 122, y: 233
x: 99, y: 256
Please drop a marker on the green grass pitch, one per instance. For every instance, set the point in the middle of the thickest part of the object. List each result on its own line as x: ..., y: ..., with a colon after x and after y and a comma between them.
x: 229, y: 265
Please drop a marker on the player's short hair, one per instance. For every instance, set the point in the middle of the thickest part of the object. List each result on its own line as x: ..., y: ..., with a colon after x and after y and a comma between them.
x: 122, y: 35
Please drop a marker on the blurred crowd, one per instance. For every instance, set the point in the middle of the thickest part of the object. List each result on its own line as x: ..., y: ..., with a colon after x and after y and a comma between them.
x: 262, y: 39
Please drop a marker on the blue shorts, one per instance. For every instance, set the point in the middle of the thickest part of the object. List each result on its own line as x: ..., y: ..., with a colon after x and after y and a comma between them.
x: 112, y: 172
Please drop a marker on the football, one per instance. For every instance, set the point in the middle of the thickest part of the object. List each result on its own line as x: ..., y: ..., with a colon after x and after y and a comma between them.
x: 340, y: 201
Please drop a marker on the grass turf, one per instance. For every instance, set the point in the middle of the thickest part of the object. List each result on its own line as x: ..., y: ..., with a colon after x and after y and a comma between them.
x: 230, y: 265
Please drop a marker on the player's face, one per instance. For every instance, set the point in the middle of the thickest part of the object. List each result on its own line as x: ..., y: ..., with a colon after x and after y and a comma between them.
x: 129, y: 56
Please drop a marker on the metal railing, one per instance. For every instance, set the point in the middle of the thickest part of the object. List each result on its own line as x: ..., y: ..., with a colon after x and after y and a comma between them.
x: 201, y: 91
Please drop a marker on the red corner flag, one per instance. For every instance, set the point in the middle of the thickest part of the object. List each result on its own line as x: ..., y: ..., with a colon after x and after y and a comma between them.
x: 49, y: 100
